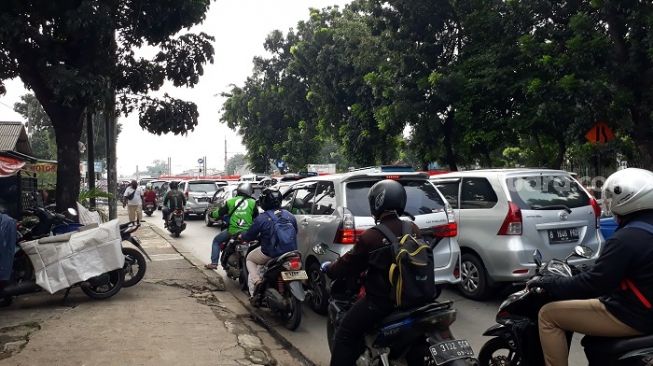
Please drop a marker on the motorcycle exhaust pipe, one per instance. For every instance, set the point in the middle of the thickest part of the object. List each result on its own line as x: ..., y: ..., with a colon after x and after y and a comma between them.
x: 275, y: 300
x: 15, y: 289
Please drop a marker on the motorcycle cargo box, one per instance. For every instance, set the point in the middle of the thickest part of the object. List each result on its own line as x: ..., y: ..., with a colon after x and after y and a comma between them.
x: 64, y: 260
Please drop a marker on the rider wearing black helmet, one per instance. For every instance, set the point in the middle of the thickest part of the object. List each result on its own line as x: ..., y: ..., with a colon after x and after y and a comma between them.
x: 241, y: 211
x: 387, y: 200
x: 173, y: 200
x: 263, y: 229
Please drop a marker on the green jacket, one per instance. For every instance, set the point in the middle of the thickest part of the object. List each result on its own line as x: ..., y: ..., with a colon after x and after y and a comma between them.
x: 242, y: 217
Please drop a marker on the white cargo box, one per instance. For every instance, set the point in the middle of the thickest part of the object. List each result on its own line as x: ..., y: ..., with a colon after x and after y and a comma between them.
x: 64, y: 260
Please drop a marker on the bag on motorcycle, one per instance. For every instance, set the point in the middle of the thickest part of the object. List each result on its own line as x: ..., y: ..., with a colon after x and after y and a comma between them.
x: 284, y: 235
x: 411, y: 273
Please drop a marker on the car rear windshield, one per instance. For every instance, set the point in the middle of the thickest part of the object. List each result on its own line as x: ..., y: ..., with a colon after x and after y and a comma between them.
x: 423, y: 198
x: 156, y: 185
x: 546, y: 191
x: 202, y: 187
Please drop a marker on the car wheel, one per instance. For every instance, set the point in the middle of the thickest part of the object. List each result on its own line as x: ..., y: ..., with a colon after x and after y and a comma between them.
x: 473, y: 276
x: 207, y: 220
x: 318, y: 297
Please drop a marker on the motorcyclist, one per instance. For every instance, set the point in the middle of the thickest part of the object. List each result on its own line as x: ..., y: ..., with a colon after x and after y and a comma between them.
x: 263, y: 229
x: 387, y: 200
x: 613, y: 298
x: 173, y: 200
x: 149, y: 196
x: 241, y: 210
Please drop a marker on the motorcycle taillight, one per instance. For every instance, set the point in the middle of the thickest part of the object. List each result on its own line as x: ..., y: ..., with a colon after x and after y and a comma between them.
x: 293, y: 264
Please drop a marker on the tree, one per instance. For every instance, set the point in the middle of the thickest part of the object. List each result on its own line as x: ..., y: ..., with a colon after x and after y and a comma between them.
x: 158, y: 168
x: 76, y: 56
x: 234, y: 163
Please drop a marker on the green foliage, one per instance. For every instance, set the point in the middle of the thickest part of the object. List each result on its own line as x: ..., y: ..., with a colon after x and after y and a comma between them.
x: 235, y: 162
x: 156, y: 169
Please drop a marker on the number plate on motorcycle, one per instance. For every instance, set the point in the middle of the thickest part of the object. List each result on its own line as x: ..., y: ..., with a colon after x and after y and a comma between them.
x: 444, y: 352
x: 294, y: 275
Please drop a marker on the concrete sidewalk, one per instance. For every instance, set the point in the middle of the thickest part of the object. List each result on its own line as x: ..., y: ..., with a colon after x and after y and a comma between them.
x: 178, y: 315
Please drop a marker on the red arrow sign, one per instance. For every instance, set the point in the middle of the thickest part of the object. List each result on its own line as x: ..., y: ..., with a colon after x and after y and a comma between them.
x: 601, y: 133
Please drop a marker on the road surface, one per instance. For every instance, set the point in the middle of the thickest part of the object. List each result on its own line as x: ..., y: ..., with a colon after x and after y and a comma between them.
x: 473, y: 317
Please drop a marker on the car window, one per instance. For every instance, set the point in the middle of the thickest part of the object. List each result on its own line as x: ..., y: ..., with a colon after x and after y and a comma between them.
x: 182, y: 186
x: 286, y: 202
x: 477, y: 193
x: 422, y: 197
x: 546, y: 190
x: 325, y: 199
x: 302, y: 203
x: 450, y: 191
x: 202, y: 187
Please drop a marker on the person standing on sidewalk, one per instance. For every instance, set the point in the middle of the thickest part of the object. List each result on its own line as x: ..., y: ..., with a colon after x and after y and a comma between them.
x: 241, y: 211
x: 133, y: 199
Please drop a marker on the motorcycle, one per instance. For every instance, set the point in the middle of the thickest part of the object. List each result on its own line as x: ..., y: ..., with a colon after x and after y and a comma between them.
x: 516, y: 339
x: 135, y: 264
x: 281, y: 289
x: 176, y: 222
x: 149, y: 208
x: 415, y: 336
x: 232, y: 258
x: 23, y: 276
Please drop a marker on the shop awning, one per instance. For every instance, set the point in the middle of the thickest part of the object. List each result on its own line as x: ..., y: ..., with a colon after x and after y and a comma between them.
x: 10, y: 166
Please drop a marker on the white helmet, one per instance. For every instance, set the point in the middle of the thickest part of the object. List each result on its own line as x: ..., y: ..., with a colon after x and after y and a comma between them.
x: 628, y: 191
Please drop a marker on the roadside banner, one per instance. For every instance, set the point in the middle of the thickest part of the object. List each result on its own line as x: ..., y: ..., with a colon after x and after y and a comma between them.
x: 322, y: 168
x: 46, y: 174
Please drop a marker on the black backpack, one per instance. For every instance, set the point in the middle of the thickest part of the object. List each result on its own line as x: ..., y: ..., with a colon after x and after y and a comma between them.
x: 412, y: 272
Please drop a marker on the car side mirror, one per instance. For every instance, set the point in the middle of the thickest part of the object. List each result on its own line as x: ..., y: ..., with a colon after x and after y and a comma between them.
x: 537, y: 258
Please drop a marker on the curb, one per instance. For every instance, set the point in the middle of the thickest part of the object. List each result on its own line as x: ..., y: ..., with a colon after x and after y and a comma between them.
x: 210, y: 274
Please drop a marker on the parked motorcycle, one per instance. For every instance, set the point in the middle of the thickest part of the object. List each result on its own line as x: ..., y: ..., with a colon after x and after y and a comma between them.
x: 281, y: 289
x: 516, y: 339
x: 416, y: 336
x: 135, y: 264
x: 149, y: 208
x: 23, y: 276
x: 176, y: 222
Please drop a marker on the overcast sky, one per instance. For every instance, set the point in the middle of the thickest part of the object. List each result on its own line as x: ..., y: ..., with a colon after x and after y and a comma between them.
x: 240, y: 27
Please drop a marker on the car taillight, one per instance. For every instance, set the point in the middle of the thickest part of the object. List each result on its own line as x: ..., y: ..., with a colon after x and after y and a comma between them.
x: 446, y: 231
x: 347, y: 236
x: 512, y: 225
x: 597, y: 211
x: 293, y: 264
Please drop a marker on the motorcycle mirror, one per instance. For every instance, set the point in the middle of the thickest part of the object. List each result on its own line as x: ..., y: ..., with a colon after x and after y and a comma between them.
x: 537, y: 258
x: 583, y: 251
x: 72, y: 211
x: 320, y: 249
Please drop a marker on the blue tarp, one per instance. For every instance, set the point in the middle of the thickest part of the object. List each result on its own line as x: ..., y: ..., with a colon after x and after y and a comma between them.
x: 7, y: 245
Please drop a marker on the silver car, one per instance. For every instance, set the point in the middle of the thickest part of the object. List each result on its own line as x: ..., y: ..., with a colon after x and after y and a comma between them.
x: 334, y: 210
x: 504, y: 215
x: 198, y: 194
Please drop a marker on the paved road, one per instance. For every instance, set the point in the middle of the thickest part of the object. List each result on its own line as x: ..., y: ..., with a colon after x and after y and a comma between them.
x: 472, y: 319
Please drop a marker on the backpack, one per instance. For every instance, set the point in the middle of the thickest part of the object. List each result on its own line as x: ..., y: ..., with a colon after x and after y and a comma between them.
x: 411, y: 273
x: 284, y: 235
x: 131, y: 195
x: 628, y: 284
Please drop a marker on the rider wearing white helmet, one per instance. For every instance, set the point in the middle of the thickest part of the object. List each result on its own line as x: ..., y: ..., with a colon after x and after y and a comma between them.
x: 614, y: 297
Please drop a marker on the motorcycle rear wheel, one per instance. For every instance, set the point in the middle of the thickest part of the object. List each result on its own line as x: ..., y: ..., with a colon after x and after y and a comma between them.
x: 488, y: 355
x: 105, y: 285
x: 134, y: 259
x: 294, y: 316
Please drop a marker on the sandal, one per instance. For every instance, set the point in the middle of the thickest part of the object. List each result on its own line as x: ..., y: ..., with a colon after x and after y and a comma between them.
x: 212, y: 266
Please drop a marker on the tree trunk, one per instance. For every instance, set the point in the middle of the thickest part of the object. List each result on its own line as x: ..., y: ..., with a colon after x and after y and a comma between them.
x: 447, y: 128
x: 643, y: 136
x: 560, y: 156
x: 68, y: 175
x: 110, y: 135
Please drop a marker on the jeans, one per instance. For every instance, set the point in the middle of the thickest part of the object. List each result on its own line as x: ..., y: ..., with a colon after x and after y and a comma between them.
x: 215, y: 247
x: 349, y: 338
x: 588, y: 317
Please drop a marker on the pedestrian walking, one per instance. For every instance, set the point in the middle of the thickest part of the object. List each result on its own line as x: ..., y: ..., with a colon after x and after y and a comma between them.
x: 133, y: 199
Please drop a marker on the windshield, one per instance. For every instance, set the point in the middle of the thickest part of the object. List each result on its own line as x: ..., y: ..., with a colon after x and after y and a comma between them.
x: 202, y: 187
x: 157, y: 185
x: 542, y: 191
x: 423, y: 198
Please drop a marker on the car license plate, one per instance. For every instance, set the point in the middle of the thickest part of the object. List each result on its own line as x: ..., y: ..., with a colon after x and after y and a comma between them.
x: 444, y: 352
x: 294, y: 275
x: 559, y: 236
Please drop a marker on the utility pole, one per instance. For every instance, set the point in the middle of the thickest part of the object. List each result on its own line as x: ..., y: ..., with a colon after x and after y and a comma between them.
x: 225, y: 155
x: 112, y: 174
x: 205, y: 165
x: 90, y: 152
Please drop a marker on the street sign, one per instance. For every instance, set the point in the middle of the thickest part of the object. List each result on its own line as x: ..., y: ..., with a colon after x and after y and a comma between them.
x: 600, y: 133
x: 200, y: 161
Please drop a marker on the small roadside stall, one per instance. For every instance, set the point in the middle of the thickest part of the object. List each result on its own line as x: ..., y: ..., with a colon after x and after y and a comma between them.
x: 18, y: 186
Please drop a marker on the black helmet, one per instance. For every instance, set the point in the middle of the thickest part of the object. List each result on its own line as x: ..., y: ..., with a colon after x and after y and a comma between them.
x: 174, y: 185
x: 270, y: 199
x: 245, y: 189
x: 387, y: 195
